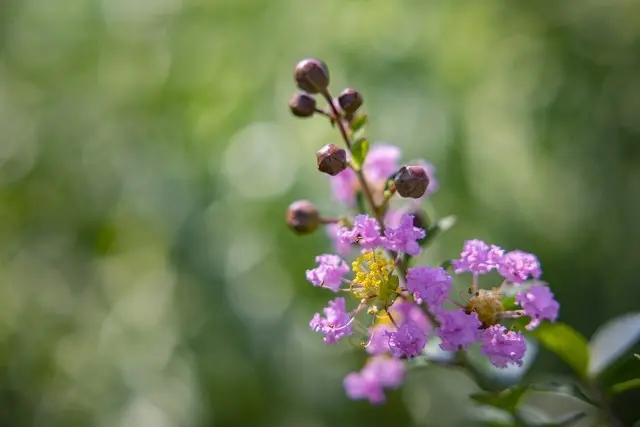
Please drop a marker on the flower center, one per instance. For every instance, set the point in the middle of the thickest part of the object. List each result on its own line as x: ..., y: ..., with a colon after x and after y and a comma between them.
x: 487, y: 305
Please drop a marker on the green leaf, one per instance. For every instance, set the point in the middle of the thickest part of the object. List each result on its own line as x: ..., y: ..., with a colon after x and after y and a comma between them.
x: 439, y: 227
x: 612, y: 340
x: 445, y: 265
x: 358, y: 122
x: 362, y: 208
x: 567, y: 343
x: 359, y: 151
x: 507, y: 400
x: 624, y: 386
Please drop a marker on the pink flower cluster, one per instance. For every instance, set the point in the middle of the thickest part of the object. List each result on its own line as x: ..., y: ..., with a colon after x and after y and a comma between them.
x: 419, y: 313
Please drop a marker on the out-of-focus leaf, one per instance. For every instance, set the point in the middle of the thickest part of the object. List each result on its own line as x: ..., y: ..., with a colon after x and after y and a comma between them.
x: 446, y: 264
x: 439, y: 227
x: 362, y: 207
x: 358, y: 122
x: 567, y: 343
x: 612, y: 340
x: 624, y: 386
x: 507, y: 400
x: 566, y: 386
x: 359, y: 151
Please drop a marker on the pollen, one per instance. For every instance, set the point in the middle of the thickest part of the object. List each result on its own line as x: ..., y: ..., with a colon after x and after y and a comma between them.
x: 487, y: 305
x: 372, y: 274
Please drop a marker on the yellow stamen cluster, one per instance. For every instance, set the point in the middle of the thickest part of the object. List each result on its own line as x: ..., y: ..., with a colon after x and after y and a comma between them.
x: 372, y: 273
x: 488, y: 306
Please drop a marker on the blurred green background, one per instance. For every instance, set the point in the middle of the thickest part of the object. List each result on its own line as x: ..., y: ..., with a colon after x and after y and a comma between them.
x: 147, y: 156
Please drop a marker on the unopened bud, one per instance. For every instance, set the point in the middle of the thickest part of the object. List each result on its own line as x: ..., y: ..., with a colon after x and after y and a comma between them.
x: 350, y: 100
x: 331, y: 159
x: 411, y: 181
x: 312, y: 75
x: 302, y: 104
x: 303, y: 217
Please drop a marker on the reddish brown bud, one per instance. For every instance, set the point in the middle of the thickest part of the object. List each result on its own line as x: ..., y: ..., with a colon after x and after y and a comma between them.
x: 331, y: 159
x: 312, y: 75
x: 411, y: 181
x: 302, y: 104
x: 350, y: 100
x: 303, y: 217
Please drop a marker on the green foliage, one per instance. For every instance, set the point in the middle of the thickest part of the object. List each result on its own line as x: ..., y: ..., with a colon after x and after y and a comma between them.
x: 565, y: 342
x: 612, y: 340
x: 358, y: 123
x: 359, y: 151
x: 507, y: 400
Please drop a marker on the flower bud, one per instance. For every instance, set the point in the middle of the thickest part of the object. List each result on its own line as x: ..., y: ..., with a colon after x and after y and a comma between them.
x: 411, y: 181
x: 331, y: 159
x: 312, y: 75
x: 350, y: 100
x: 302, y: 105
x: 303, y: 217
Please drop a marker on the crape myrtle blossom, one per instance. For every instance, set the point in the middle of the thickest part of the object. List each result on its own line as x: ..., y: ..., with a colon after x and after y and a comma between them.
x: 366, y: 232
x: 329, y: 272
x: 379, y: 373
x: 392, y: 304
x: 401, y: 309
x: 538, y: 303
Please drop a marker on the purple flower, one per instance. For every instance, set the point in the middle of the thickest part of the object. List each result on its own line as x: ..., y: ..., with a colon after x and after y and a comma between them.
x: 457, y: 329
x: 407, y: 311
x: 379, y: 373
x: 381, y: 162
x: 329, y: 272
x: 430, y: 284
x: 335, y: 325
x: 503, y: 347
x: 341, y: 248
x: 365, y: 231
x: 477, y: 257
x: 408, y: 341
x: 378, y: 340
x: 404, y: 237
x: 344, y: 186
x: 538, y: 303
x: 517, y: 266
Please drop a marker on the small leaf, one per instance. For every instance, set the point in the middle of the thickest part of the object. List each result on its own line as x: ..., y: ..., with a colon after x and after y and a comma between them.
x: 624, y: 386
x: 612, y: 340
x: 507, y: 399
x: 567, y: 343
x: 359, y: 151
x: 358, y: 122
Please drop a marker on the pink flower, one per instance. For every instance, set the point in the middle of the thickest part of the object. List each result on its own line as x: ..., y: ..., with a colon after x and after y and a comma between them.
x: 538, y: 303
x: 404, y: 237
x: 430, y: 284
x: 379, y: 373
x: 335, y: 325
x: 503, y: 347
x: 365, y: 231
x: 329, y: 272
x: 378, y: 340
x: 457, y: 329
x: 518, y: 266
x: 408, y: 341
x: 340, y: 247
x: 477, y: 257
